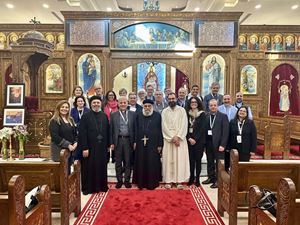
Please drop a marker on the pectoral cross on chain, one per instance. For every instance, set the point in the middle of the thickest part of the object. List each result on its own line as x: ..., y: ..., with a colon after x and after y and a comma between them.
x: 145, y: 139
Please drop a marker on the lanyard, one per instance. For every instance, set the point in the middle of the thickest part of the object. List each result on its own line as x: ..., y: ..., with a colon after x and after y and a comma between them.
x: 241, y: 127
x: 126, y: 115
x: 80, y: 113
x: 211, y: 123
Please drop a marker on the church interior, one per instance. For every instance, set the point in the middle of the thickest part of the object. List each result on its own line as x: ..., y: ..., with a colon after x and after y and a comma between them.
x: 170, y: 44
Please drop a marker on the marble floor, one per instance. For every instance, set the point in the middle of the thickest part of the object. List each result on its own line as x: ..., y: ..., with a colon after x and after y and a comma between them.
x: 212, y: 193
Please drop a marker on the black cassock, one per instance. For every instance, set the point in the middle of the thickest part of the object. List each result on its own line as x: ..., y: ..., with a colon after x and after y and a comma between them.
x: 147, y: 166
x: 94, y: 136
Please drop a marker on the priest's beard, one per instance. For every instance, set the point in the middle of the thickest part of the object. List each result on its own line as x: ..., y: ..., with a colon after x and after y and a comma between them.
x: 172, y: 104
x: 147, y: 112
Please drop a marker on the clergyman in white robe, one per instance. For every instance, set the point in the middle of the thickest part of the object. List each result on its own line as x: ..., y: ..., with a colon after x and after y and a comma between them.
x: 175, y: 159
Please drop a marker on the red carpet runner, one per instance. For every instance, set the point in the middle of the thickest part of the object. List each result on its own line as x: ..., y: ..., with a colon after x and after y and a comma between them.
x: 158, y: 207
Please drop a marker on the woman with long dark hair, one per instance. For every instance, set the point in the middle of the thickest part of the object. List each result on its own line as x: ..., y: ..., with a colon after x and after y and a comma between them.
x: 242, y: 134
x: 110, y: 104
x: 195, y: 137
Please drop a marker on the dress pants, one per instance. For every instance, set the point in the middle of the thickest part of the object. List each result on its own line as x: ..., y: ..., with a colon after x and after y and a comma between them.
x: 195, y: 156
x: 123, y: 153
x: 213, y: 157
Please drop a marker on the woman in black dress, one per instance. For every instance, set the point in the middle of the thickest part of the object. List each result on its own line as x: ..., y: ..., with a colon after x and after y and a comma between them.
x: 242, y: 134
x: 195, y: 137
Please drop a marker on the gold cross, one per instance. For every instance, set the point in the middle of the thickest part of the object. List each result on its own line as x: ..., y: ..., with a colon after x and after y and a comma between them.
x: 145, y: 139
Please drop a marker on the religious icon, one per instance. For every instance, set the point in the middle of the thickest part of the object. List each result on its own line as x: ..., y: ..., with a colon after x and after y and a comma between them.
x: 243, y: 42
x: 290, y: 43
x: 277, y: 42
x: 50, y: 38
x: 298, y: 43
x: 2, y: 41
x: 151, y: 73
x: 213, y: 71
x: 265, y: 43
x: 88, y: 72
x: 151, y: 36
x: 54, y: 79
x: 60, y: 42
x: 248, y: 80
x: 13, y: 37
x: 253, y: 42
x: 151, y: 78
x: 284, y: 91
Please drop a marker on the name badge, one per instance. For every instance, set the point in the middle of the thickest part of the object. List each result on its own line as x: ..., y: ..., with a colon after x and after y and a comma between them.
x: 209, y: 132
x: 239, y: 139
x: 191, y: 130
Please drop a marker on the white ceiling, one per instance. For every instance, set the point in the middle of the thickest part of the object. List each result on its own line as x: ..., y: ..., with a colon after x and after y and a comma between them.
x: 271, y: 12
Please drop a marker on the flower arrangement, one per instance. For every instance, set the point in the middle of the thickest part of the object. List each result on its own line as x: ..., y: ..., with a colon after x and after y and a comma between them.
x: 5, y: 133
x: 21, y: 133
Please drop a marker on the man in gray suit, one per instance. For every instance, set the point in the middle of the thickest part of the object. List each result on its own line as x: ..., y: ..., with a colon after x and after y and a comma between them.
x: 122, y: 132
x: 217, y: 131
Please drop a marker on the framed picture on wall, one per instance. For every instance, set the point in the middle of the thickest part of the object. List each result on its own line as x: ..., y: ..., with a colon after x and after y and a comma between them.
x: 15, y: 95
x: 248, y: 83
x: 54, y: 79
x: 13, y: 116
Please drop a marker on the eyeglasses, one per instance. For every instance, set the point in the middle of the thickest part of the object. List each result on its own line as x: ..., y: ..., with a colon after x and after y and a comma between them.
x: 111, y: 95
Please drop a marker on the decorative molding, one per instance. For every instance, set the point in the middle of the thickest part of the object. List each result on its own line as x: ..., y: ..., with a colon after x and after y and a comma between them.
x: 269, y: 29
x: 214, y: 16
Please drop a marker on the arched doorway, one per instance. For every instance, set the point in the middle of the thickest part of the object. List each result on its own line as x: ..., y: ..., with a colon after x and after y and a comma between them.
x: 159, y: 75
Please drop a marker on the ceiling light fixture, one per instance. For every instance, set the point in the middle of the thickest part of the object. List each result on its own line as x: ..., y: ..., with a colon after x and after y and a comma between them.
x: 231, y: 3
x: 46, y: 6
x: 295, y: 7
x: 10, y: 6
x: 108, y: 9
x: 197, y: 9
x: 258, y: 6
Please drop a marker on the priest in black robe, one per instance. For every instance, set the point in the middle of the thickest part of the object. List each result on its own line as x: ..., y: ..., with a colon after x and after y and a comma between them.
x: 149, y: 143
x: 94, y: 144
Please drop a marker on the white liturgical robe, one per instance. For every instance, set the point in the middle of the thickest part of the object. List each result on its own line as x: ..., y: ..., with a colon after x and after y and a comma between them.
x: 176, y: 168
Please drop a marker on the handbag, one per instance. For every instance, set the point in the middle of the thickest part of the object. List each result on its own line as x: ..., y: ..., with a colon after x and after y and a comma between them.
x: 31, y: 199
x: 267, y: 202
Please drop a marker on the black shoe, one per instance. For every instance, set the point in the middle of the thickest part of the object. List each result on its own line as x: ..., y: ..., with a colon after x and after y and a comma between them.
x: 208, y: 181
x: 128, y: 185
x: 191, y: 181
x: 119, y: 184
x: 214, y: 185
x: 197, y: 183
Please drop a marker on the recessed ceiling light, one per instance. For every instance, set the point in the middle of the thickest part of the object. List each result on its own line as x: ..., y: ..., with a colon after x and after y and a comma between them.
x: 108, y: 9
x: 46, y: 6
x: 10, y: 6
x: 197, y: 9
x: 258, y: 6
x: 295, y: 6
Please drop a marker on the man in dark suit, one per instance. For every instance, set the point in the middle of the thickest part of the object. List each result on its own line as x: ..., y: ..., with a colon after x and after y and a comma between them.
x: 215, y: 87
x: 132, y: 103
x: 122, y: 132
x: 217, y: 130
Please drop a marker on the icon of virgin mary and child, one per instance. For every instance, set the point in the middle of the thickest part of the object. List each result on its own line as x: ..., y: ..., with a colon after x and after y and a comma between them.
x: 89, y: 72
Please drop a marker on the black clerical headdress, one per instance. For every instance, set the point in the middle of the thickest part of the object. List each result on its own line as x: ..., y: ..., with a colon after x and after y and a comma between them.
x: 94, y: 97
x: 149, y: 101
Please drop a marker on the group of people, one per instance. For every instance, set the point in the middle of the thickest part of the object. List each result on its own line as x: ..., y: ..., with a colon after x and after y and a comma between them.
x: 161, y: 139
